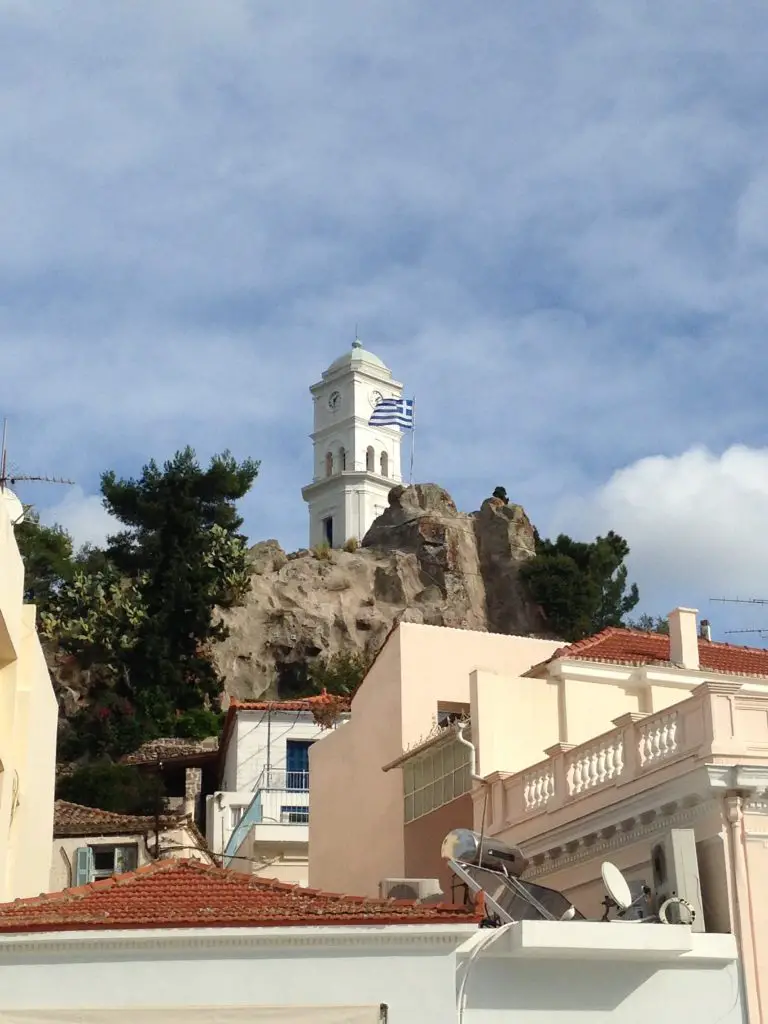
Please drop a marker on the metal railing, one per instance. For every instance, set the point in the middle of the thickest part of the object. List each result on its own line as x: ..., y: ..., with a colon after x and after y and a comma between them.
x: 272, y: 779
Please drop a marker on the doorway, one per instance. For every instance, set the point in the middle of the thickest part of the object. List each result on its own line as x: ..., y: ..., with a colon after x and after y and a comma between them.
x: 328, y: 530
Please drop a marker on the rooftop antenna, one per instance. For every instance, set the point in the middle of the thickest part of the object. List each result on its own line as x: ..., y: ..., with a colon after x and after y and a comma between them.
x: 743, y: 600
x: 7, y: 497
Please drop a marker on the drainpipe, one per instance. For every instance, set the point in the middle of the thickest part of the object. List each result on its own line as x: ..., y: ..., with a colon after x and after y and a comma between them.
x: 475, y: 778
x: 470, y: 746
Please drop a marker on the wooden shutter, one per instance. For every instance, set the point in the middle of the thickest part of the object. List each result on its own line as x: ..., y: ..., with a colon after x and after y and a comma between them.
x: 83, y: 865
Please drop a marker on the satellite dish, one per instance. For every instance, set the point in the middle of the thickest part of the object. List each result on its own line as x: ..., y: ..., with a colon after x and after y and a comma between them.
x: 616, y: 885
x: 13, y: 507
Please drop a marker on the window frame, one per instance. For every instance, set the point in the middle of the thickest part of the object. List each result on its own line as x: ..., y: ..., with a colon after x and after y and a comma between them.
x: 436, y: 777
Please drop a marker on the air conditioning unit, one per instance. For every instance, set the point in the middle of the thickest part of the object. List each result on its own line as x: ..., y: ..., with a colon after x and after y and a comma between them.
x: 675, y: 872
x: 408, y: 888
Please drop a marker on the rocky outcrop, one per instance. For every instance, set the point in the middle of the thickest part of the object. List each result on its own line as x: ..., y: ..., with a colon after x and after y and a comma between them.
x: 422, y: 561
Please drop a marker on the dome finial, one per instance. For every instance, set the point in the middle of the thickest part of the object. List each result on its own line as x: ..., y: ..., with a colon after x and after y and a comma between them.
x: 357, y: 343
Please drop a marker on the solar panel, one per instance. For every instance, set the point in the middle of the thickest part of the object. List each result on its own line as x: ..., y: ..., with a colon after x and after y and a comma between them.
x: 513, y: 899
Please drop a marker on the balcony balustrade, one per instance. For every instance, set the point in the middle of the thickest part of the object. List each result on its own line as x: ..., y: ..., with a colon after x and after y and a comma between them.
x: 280, y: 797
x: 716, y: 721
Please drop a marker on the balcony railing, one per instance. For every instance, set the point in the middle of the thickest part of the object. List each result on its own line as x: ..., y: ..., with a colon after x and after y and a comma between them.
x: 272, y: 779
x: 280, y: 797
x: 710, y: 723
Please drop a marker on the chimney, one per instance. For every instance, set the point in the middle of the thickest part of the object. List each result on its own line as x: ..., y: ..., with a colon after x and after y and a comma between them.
x: 705, y: 631
x: 683, y: 640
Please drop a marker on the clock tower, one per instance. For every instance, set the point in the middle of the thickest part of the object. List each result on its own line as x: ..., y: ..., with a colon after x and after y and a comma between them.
x: 356, y: 465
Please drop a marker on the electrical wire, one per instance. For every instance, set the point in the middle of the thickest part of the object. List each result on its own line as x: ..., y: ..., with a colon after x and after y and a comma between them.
x: 483, y: 943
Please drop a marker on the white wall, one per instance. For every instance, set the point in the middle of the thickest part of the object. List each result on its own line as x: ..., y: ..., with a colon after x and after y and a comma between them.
x: 255, y: 733
x: 416, y: 979
x: 578, y: 992
x: 416, y: 982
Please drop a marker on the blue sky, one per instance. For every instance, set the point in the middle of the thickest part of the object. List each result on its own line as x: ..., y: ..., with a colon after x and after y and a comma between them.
x: 550, y: 220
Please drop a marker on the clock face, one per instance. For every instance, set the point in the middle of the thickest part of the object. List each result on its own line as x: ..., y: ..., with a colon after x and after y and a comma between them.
x: 375, y: 398
x: 334, y: 401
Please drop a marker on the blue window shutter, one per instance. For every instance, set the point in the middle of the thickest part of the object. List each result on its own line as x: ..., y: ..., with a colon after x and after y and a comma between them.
x: 83, y: 865
x: 297, y: 763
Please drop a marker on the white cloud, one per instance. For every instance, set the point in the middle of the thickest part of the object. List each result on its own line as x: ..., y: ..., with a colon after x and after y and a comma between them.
x: 696, y: 526
x: 554, y: 223
x: 83, y: 516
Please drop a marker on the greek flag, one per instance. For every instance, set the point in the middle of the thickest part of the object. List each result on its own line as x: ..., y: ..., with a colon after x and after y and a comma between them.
x: 393, y: 412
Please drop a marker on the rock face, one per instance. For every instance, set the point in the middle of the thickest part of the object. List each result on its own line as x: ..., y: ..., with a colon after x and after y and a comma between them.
x: 421, y: 561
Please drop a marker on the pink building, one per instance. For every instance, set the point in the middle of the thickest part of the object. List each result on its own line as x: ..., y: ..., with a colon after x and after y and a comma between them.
x: 387, y: 786
x: 602, y: 749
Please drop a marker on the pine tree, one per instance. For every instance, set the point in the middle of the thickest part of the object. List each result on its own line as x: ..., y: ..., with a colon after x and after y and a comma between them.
x: 182, y: 541
x: 581, y: 587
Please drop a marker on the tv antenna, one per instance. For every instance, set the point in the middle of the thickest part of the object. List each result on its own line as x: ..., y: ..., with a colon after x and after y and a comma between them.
x: 743, y: 600
x: 7, y: 497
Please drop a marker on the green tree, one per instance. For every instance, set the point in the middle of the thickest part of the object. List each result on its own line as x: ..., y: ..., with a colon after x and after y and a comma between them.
x: 121, y: 788
x: 649, y: 624
x: 47, y: 555
x: 339, y: 674
x: 581, y: 587
x: 182, y: 547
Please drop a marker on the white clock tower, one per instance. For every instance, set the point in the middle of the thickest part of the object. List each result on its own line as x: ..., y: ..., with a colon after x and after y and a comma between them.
x: 356, y: 465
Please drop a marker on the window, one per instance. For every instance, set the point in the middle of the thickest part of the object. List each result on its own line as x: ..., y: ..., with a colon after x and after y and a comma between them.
x: 294, y: 815
x: 436, y: 777
x: 342, y: 459
x: 384, y: 464
x: 297, y: 764
x: 447, y: 713
x: 329, y: 463
x: 370, y: 458
x: 94, y: 862
x: 237, y: 815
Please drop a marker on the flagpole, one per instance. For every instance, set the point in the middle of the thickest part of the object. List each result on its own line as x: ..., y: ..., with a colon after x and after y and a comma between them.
x: 413, y: 438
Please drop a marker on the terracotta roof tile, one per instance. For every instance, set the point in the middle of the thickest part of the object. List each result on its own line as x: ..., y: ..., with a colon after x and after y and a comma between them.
x: 298, y: 704
x: 631, y: 647
x: 186, y: 894
x: 77, y: 820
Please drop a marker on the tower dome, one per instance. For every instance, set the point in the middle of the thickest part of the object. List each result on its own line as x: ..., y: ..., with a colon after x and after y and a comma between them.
x: 357, y: 354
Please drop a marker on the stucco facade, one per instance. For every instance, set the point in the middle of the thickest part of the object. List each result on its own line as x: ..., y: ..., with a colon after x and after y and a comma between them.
x: 28, y: 717
x: 701, y: 764
x: 357, y: 828
x: 369, y: 975
x: 355, y: 464
x: 523, y: 700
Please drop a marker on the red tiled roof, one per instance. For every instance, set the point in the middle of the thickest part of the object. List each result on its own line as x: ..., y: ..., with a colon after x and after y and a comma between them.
x: 77, y: 820
x: 186, y: 894
x: 631, y: 647
x: 298, y: 704
x: 322, y: 702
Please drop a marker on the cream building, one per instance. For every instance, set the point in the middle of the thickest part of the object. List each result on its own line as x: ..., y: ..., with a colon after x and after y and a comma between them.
x: 355, y: 464
x: 28, y: 716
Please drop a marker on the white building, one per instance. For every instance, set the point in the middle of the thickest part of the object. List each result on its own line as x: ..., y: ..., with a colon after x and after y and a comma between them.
x: 258, y: 821
x: 355, y: 465
x: 180, y: 943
